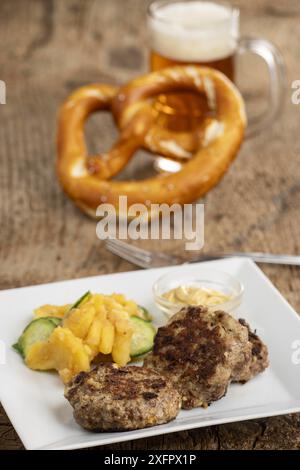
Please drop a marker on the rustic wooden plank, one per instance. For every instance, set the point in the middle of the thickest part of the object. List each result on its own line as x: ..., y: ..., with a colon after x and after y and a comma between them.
x: 49, y: 48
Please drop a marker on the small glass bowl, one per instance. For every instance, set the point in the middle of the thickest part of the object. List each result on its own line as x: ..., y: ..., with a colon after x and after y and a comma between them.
x: 200, y: 277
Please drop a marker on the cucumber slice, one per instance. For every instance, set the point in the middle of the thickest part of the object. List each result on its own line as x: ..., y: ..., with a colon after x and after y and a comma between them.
x: 81, y: 300
x: 145, y: 315
x: 17, y: 348
x: 142, y: 338
x: 37, y: 330
x: 56, y: 320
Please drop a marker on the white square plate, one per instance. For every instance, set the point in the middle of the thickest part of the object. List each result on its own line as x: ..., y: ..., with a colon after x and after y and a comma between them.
x: 41, y: 415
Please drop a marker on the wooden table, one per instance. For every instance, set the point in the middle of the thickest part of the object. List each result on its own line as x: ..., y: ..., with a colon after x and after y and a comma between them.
x: 50, y: 47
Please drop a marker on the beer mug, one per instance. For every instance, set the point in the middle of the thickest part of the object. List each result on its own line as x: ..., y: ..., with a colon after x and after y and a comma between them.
x: 206, y: 33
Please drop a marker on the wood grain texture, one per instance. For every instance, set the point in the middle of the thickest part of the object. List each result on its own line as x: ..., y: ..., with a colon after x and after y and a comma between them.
x: 50, y: 47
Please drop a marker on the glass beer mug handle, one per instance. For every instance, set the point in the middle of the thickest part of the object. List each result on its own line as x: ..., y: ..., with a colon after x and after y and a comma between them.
x: 273, y: 59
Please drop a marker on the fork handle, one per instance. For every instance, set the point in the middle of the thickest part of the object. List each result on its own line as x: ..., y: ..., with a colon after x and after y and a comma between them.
x: 292, y: 260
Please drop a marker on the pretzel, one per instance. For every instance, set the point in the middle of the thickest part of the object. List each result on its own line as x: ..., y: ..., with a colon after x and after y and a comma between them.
x: 159, y: 139
x: 73, y: 115
x: 86, y: 179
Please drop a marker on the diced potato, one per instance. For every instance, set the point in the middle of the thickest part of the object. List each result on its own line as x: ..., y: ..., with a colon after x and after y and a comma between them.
x: 39, y: 356
x: 79, y: 320
x: 94, y: 334
x: 107, y: 337
x: 65, y: 375
x: 99, y: 327
x: 120, y: 298
x: 128, y: 305
x: 122, y: 343
x: 111, y: 303
x: 62, y: 351
x: 117, y: 314
x: 131, y: 307
x: 52, y: 310
x: 98, y: 300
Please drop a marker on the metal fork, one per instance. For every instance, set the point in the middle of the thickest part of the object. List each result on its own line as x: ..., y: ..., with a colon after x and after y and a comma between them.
x: 152, y: 259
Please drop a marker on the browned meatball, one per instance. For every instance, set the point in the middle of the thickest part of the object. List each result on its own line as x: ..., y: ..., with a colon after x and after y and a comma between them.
x: 201, y: 351
x: 111, y: 398
x: 259, y: 360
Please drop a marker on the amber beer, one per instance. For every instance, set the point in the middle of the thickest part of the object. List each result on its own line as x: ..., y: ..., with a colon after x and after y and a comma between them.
x: 225, y: 65
x: 191, y: 32
x: 183, y: 103
x: 205, y: 32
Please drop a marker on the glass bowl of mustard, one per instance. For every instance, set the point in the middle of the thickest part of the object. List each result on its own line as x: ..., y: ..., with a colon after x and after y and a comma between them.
x: 194, y: 285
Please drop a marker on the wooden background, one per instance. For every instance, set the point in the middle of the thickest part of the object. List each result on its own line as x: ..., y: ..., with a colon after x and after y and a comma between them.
x: 50, y: 47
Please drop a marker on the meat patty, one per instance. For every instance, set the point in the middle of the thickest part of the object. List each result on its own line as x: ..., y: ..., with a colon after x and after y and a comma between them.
x: 201, y: 351
x: 259, y: 360
x: 111, y: 398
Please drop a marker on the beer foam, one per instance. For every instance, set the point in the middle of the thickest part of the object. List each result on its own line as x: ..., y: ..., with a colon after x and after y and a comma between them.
x: 194, y: 31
